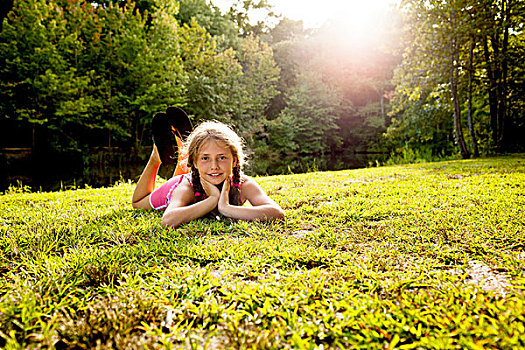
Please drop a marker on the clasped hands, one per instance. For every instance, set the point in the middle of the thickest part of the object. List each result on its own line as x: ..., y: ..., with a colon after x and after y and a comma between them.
x: 222, y: 197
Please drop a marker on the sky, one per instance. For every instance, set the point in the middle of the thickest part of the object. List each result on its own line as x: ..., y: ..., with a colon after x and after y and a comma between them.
x: 314, y: 13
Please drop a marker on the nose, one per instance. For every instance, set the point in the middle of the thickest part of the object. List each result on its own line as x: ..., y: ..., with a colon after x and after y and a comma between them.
x: 214, y: 164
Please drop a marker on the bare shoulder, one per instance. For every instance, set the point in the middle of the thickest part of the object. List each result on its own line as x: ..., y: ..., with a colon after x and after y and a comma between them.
x: 185, y: 185
x: 182, y: 195
x: 253, y: 192
x: 249, y: 183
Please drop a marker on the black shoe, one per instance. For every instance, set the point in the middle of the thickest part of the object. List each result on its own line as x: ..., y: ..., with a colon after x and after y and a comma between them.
x: 166, y: 127
x: 180, y: 120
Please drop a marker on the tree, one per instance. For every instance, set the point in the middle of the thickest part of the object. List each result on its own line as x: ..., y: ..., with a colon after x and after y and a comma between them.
x: 87, y: 74
x: 259, y: 80
x: 469, y: 46
x: 470, y: 72
x: 240, y: 13
x: 360, y: 77
x: 209, y: 17
x: 433, y: 55
x: 304, y: 133
x: 35, y: 74
x: 5, y: 7
x: 499, y: 22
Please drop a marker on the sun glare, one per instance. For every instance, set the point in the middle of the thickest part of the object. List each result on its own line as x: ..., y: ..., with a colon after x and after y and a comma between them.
x: 360, y: 21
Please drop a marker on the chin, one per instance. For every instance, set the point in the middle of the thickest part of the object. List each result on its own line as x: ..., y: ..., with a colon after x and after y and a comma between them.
x: 216, y: 181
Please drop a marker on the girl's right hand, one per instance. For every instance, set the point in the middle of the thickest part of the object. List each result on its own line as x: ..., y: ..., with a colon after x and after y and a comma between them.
x: 210, y: 189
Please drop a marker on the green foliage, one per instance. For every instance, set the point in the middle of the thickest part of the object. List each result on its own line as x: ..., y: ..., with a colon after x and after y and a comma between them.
x: 94, y: 75
x: 78, y: 75
x: 438, y: 38
x: 425, y: 124
x: 418, y: 256
x: 241, y: 10
x: 82, y: 67
x: 208, y: 16
x: 30, y: 60
x: 213, y: 79
x: 260, y: 75
x: 305, y: 131
x: 331, y: 100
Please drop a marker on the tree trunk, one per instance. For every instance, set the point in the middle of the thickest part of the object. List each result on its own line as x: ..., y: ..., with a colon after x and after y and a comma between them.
x: 502, y: 98
x: 493, y: 100
x: 497, y: 85
x: 454, y: 73
x: 382, y: 103
x: 470, y: 78
x: 33, y: 140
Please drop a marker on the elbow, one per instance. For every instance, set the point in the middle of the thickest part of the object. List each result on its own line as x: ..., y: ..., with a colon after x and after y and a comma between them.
x: 169, y: 221
x: 140, y: 204
x: 280, y: 214
x: 277, y: 214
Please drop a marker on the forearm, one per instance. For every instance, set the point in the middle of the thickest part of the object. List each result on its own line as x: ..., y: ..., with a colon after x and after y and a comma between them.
x: 264, y: 212
x: 174, y: 217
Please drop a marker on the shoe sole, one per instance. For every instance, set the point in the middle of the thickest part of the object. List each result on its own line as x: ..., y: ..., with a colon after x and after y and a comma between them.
x: 179, y: 119
x: 166, y: 127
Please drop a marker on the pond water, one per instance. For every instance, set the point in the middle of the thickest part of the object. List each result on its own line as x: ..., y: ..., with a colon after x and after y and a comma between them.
x: 53, y: 173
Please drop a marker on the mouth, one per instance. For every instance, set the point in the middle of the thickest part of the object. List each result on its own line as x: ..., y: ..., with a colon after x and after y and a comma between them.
x: 215, y: 175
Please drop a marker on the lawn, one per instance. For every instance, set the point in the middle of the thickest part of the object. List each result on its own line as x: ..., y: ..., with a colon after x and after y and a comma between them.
x: 417, y: 256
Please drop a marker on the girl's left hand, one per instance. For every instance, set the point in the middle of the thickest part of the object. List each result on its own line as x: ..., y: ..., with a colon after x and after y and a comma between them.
x: 224, y: 199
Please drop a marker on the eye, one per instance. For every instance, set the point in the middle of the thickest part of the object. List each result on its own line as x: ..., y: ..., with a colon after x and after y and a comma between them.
x: 204, y: 158
x: 223, y: 157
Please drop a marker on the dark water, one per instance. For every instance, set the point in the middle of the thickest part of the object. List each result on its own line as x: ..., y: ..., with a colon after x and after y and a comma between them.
x: 100, y: 169
x: 61, y: 172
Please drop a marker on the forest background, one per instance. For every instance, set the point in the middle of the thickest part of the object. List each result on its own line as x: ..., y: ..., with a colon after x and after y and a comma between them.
x: 81, y: 80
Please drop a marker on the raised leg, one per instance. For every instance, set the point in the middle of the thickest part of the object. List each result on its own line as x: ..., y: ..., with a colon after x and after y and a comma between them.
x: 146, y: 183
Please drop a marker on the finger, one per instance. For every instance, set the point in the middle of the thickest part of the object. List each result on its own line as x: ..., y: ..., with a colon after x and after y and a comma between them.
x: 206, y: 184
x: 209, y: 188
x: 226, y: 185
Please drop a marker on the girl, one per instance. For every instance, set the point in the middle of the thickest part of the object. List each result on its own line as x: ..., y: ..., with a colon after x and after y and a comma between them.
x: 214, y: 184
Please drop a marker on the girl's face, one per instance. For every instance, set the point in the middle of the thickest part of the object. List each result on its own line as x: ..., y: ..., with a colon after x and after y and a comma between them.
x: 214, y: 162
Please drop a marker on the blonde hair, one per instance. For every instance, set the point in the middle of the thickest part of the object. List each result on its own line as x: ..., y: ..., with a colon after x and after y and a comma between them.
x: 217, y: 131
x: 213, y: 130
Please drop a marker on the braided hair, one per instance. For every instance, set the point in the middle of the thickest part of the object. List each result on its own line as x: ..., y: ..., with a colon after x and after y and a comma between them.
x: 212, y: 130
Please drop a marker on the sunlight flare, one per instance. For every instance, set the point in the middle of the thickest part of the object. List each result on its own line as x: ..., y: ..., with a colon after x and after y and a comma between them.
x: 359, y: 23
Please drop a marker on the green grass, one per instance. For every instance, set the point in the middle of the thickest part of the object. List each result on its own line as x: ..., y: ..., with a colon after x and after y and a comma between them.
x: 371, y: 258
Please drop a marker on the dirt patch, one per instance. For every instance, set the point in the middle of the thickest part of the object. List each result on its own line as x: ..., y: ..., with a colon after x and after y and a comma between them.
x: 299, y: 234
x: 484, y: 277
